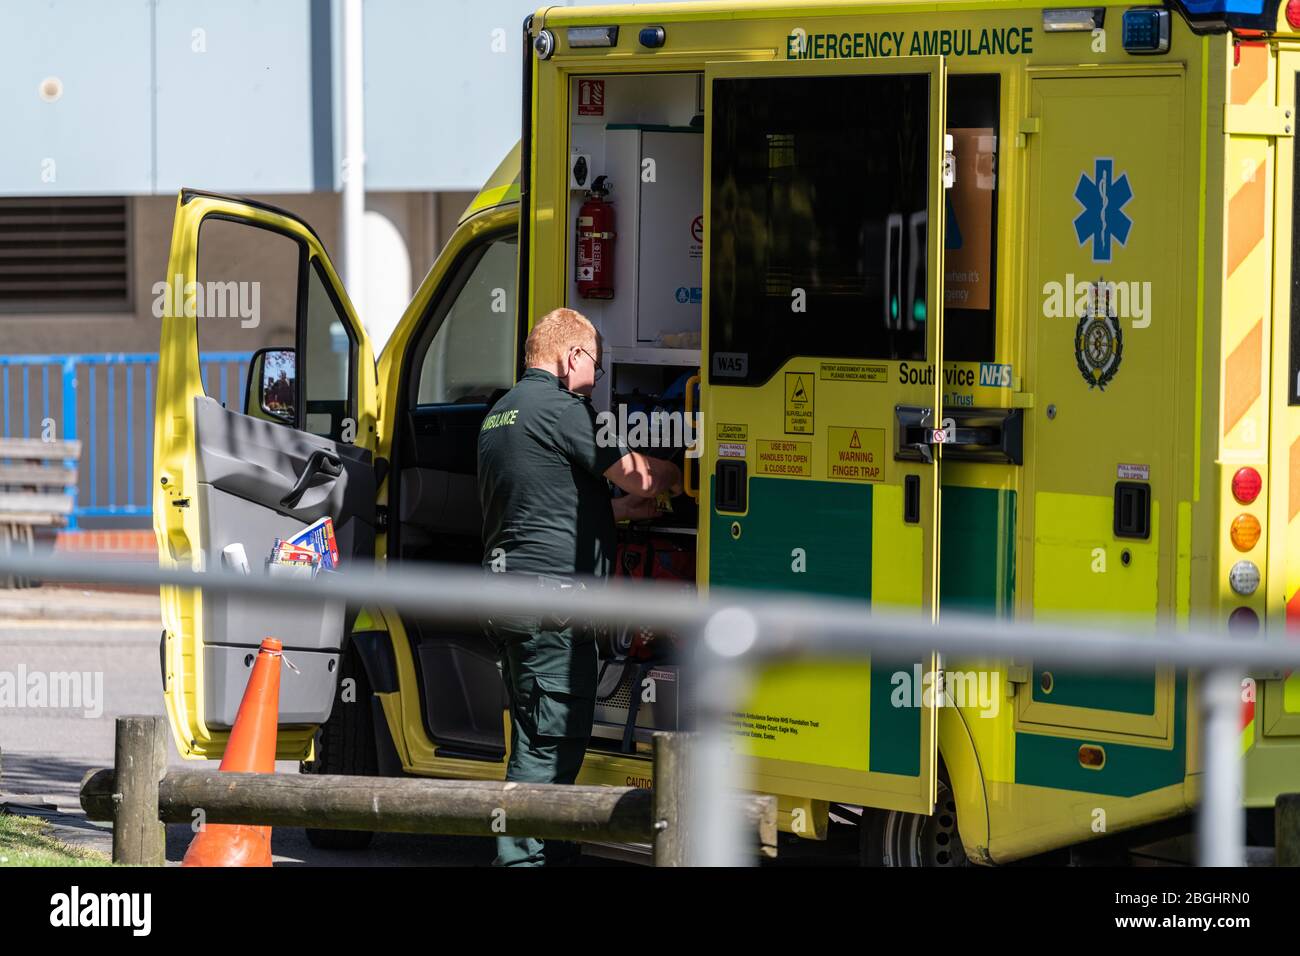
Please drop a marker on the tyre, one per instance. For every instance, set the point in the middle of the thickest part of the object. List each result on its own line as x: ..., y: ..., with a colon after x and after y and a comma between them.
x: 896, y: 838
x: 345, y: 744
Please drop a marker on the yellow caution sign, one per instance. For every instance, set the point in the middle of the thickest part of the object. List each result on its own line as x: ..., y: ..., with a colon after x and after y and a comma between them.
x: 799, y: 403
x: 792, y: 459
x: 855, y: 454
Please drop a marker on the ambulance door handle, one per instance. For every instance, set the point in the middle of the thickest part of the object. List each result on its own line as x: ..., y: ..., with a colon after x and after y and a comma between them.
x: 321, y: 462
x: 973, y: 436
x: 689, y: 464
x: 914, y: 430
x: 912, y: 499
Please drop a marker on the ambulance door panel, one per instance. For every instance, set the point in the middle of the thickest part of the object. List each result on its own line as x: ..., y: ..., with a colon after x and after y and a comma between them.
x: 823, y: 319
x: 460, y: 362
x: 1106, y: 288
x: 1279, y: 698
x: 233, y: 473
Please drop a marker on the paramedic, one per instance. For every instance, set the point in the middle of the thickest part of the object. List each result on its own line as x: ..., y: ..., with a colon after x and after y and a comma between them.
x: 548, y: 515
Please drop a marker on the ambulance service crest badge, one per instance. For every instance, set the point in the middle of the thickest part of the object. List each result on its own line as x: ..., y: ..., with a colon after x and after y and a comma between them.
x: 1099, y: 340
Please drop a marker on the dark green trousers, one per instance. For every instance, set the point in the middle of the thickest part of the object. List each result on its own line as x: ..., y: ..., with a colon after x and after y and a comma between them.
x: 550, y: 677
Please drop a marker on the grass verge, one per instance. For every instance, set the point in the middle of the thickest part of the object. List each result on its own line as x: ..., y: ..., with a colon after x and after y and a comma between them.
x: 25, y: 841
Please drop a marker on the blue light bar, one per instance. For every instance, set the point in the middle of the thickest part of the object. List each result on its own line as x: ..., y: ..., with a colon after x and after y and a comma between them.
x: 1202, y: 8
x: 1234, y: 14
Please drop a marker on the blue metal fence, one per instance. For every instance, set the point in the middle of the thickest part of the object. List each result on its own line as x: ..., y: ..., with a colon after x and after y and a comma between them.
x: 106, y: 401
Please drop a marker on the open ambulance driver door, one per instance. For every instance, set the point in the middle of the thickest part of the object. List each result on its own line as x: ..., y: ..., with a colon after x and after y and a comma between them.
x: 823, y: 298
x: 296, y: 453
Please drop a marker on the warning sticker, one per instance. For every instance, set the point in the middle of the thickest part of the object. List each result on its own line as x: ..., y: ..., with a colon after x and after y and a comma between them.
x: 798, y: 403
x: 728, y: 432
x: 731, y: 449
x: 841, y: 372
x: 855, y: 454
x: 790, y: 458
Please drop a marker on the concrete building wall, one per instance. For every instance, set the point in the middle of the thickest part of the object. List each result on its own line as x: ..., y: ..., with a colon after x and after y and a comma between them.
x: 128, y: 97
x: 422, y: 221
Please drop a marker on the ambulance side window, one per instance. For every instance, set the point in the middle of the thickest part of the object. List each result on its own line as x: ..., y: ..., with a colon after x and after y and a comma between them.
x: 245, y: 298
x: 970, y: 233
x: 468, y: 343
x: 327, y: 356
x: 256, y: 287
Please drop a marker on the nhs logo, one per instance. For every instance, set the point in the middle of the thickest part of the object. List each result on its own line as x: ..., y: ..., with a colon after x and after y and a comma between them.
x: 995, y: 376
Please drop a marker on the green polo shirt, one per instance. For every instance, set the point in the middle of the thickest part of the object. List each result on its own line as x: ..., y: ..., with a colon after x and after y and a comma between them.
x: 546, y: 502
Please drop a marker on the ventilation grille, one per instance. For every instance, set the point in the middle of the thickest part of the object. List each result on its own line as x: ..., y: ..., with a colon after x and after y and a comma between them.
x: 64, y: 254
x: 621, y: 696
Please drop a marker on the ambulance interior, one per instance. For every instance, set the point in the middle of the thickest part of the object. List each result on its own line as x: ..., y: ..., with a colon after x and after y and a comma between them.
x: 650, y: 327
x: 636, y: 146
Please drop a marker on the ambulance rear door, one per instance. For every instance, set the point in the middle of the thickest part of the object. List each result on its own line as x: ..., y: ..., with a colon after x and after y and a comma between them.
x: 824, y: 185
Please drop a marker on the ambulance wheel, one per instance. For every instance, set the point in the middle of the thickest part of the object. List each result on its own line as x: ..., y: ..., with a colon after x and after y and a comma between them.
x: 896, y: 838
x: 345, y: 744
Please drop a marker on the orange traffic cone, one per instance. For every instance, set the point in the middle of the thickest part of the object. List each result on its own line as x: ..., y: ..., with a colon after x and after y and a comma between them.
x: 251, y: 748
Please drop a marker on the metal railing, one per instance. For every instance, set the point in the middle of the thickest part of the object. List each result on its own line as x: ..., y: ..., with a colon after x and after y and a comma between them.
x: 107, y: 401
x: 736, y: 632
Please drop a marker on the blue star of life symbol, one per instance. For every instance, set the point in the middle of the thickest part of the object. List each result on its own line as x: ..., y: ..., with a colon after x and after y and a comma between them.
x: 1103, y: 200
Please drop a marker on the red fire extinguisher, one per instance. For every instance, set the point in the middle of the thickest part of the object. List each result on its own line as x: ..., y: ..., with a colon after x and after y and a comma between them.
x: 594, y: 265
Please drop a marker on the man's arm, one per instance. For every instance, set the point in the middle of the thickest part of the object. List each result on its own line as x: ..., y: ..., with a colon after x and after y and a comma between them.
x: 635, y: 473
x: 645, y: 477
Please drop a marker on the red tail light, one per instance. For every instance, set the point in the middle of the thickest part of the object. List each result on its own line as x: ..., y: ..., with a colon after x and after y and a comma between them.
x: 1293, y: 14
x: 1246, y: 483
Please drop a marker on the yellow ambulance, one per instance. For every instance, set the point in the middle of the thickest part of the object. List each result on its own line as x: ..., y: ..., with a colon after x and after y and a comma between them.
x: 983, y: 306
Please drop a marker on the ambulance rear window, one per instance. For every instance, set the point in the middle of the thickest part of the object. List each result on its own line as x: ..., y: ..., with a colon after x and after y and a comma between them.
x: 818, y: 219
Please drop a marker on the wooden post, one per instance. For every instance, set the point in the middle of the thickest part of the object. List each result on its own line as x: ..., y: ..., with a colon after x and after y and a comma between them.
x: 448, y: 807
x: 390, y: 804
x: 139, y: 763
x: 671, y: 815
x: 1286, y: 824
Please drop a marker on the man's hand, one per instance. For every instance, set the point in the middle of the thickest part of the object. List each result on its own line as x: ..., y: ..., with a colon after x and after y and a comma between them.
x: 641, y: 475
x: 632, y: 508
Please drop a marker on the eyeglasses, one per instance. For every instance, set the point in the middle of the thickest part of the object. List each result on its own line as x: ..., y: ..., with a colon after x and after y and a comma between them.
x: 599, y: 371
